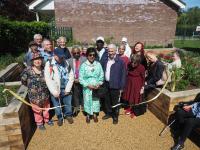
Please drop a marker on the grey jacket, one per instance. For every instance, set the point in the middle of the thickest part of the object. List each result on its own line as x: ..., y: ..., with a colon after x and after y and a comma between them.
x: 72, y: 60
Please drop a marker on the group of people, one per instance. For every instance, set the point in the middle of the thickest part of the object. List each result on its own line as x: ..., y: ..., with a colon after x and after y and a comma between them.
x: 72, y: 80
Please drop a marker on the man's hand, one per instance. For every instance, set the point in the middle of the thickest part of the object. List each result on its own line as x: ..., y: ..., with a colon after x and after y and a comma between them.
x: 142, y: 90
x: 76, y: 80
x: 187, y: 108
x: 56, y: 94
x: 66, y: 93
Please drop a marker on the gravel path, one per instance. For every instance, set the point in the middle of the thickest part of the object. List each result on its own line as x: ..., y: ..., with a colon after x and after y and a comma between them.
x: 130, y: 134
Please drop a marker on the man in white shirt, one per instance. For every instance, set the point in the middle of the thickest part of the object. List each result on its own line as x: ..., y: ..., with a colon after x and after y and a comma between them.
x: 101, y: 51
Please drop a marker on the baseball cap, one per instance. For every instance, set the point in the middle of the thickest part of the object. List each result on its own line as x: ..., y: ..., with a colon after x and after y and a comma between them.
x: 124, y: 39
x: 59, y: 52
x: 100, y: 38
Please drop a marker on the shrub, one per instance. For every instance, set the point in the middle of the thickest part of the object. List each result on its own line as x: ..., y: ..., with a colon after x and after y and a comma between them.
x: 15, y: 35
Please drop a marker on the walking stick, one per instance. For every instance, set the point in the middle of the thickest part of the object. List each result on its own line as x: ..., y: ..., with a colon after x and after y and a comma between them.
x: 61, y: 110
x: 163, y: 131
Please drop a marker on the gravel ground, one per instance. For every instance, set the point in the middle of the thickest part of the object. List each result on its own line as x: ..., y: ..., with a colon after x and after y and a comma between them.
x: 141, y: 133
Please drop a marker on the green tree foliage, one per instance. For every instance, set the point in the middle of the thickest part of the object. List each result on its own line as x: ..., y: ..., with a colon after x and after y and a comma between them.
x: 187, y: 21
x: 16, y: 10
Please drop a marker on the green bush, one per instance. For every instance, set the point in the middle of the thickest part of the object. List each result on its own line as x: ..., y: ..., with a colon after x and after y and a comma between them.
x: 8, y: 96
x: 7, y: 59
x: 15, y: 35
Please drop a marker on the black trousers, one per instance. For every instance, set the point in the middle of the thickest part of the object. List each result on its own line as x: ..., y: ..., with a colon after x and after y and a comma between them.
x: 77, y: 96
x: 187, y: 121
x: 111, y: 99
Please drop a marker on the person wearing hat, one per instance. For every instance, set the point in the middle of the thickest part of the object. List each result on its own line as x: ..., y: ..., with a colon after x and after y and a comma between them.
x: 101, y: 51
x: 33, y: 46
x: 38, y: 93
x: 59, y: 79
x: 128, y: 50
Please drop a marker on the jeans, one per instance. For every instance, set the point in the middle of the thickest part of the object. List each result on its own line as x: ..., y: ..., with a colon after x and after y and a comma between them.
x: 66, y: 100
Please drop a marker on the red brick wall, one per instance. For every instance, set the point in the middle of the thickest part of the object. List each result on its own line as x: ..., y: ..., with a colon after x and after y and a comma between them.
x: 149, y: 21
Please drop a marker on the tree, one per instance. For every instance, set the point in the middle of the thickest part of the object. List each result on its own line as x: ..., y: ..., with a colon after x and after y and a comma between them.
x: 16, y: 10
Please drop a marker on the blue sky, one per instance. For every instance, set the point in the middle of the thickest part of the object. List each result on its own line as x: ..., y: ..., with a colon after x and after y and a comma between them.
x: 192, y: 3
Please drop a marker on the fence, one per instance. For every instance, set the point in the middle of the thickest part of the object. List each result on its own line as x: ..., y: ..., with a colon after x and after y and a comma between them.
x: 56, y: 32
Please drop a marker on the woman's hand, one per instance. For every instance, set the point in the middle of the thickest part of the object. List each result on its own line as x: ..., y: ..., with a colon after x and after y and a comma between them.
x: 187, y: 108
x: 142, y: 90
x: 91, y: 87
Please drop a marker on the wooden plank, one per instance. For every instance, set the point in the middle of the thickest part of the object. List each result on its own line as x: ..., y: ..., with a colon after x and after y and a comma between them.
x: 17, y: 147
x: 11, y: 132
x: 9, y: 121
x: 158, y: 113
x: 11, y: 83
x: 5, y: 148
x: 15, y: 140
x: 12, y: 127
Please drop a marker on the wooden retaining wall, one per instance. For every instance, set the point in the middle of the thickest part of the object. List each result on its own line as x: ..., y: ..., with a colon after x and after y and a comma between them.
x: 163, y: 106
x: 17, y: 124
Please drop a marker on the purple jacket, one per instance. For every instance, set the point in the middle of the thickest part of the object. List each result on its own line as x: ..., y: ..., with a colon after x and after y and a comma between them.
x: 117, y: 73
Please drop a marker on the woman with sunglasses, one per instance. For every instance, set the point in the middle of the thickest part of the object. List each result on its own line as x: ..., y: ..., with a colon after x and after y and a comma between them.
x: 91, y: 77
x: 134, y: 85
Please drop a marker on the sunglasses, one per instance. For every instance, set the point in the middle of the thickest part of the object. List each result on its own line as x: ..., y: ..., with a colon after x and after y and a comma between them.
x: 76, y: 53
x: 90, y: 55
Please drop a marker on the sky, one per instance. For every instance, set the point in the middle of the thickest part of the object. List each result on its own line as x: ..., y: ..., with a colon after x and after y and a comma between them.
x: 192, y: 3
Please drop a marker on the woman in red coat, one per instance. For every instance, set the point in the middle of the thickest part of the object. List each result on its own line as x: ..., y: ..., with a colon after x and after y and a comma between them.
x: 135, y: 83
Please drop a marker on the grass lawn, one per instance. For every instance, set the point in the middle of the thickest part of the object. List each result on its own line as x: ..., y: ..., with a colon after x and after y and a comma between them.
x: 187, y: 44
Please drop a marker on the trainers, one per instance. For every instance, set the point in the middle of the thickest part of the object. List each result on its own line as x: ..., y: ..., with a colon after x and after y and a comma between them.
x: 128, y: 111
x: 177, y: 147
x: 115, y: 120
x: 60, y: 122
x: 88, y: 119
x: 106, y: 117
x: 133, y: 115
x: 95, y: 118
x: 70, y: 119
x: 41, y: 127
x: 50, y: 123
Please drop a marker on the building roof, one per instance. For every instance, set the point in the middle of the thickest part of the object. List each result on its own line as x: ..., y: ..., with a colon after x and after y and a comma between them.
x: 49, y: 4
x: 39, y: 5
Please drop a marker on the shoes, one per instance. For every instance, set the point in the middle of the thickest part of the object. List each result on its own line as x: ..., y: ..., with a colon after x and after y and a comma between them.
x: 60, y: 122
x: 87, y: 119
x: 128, y: 111
x: 133, y: 115
x: 115, y: 120
x: 69, y: 119
x: 106, y: 117
x: 50, y: 123
x: 177, y: 147
x: 41, y: 127
x: 95, y: 118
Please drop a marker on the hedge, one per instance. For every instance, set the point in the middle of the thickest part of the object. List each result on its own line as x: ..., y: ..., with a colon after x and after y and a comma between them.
x: 15, y: 35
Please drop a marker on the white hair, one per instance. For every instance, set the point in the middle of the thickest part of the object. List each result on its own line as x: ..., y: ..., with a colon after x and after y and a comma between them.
x: 37, y: 35
x: 62, y: 38
x: 113, y: 46
x: 44, y: 41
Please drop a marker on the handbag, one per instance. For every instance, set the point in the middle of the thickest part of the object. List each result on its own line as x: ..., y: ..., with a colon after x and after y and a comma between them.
x: 100, y: 92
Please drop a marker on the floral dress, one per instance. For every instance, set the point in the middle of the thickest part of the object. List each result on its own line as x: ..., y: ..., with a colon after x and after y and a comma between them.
x: 38, y: 92
x: 90, y: 74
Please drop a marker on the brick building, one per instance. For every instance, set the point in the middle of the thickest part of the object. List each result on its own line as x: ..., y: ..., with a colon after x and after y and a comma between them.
x: 150, y: 21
